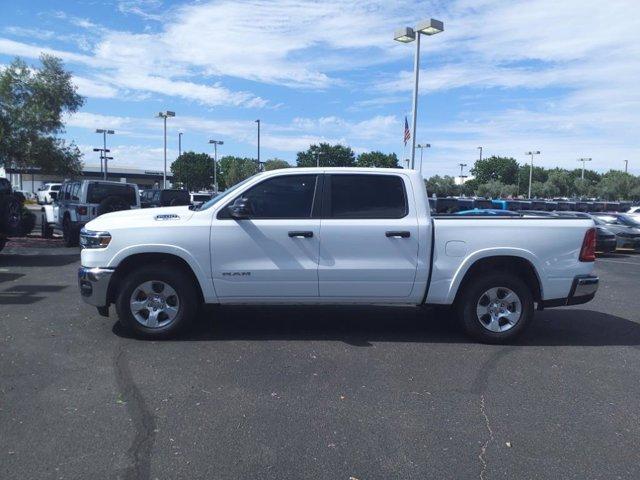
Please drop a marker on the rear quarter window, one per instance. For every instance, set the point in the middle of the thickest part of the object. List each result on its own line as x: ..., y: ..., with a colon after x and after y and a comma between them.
x: 97, y: 192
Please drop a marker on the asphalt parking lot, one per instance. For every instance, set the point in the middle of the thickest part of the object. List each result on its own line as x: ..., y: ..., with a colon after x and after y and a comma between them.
x: 323, y: 392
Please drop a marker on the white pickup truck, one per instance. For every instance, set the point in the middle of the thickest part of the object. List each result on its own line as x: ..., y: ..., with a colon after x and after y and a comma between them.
x: 332, y: 236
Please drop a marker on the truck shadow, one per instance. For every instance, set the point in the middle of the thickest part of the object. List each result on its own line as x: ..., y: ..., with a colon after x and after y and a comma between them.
x: 362, y: 326
x: 33, y: 260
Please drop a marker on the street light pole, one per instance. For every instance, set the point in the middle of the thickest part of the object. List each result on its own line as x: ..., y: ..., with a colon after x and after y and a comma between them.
x: 422, y: 146
x: 406, y: 35
x: 164, y: 115
x: 462, y: 165
x: 532, y: 153
x: 626, y: 166
x: 583, y: 160
x: 215, y: 163
x: 258, y: 122
x: 104, y: 133
x: 179, y: 144
x: 480, y: 148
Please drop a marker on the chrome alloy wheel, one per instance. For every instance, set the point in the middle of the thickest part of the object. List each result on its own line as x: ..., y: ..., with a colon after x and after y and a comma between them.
x: 499, y: 309
x: 154, y: 304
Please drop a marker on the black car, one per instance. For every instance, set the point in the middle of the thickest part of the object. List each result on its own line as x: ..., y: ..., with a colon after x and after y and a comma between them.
x: 164, y: 198
x: 626, y: 236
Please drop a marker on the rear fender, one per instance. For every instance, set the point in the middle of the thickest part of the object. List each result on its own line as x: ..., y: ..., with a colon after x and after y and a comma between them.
x: 468, y: 262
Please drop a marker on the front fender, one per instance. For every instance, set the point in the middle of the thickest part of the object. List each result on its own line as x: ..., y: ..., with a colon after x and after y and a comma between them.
x: 206, y: 284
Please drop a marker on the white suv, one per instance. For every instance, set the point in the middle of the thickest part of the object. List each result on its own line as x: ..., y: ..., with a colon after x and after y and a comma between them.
x: 45, y: 193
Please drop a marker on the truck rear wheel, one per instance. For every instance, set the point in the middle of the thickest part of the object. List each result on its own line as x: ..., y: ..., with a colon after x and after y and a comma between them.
x: 156, y: 301
x: 495, y: 308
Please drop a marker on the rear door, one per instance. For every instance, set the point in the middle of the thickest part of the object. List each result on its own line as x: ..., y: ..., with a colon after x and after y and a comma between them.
x: 369, y: 237
x: 274, y: 253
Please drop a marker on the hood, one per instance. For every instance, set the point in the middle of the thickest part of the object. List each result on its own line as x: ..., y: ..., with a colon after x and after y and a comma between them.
x: 139, y: 217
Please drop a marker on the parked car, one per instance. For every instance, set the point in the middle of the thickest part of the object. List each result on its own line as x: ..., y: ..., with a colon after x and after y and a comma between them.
x: 164, y: 198
x: 26, y: 194
x: 538, y: 213
x: 488, y: 212
x: 198, y: 198
x: 332, y: 236
x: 80, y: 201
x: 626, y: 236
x: 47, y: 193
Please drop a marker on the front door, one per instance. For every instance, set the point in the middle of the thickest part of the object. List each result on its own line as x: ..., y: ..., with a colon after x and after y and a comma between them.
x: 274, y: 252
x: 369, y: 229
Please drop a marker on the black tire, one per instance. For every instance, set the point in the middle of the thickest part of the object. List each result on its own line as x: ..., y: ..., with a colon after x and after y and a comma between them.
x: 112, y: 204
x: 187, y: 300
x: 474, y: 295
x: 70, y: 234
x: 45, y: 228
x: 11, y: 217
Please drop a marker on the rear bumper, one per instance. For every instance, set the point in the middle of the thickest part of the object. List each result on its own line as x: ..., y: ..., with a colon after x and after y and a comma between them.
x: 94, y: 285
x: 583, y: 289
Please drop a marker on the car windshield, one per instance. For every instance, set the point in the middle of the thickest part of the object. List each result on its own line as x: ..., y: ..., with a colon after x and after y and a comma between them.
x: 628, y: 221
x: 226, y: 193
x: 55, y: 188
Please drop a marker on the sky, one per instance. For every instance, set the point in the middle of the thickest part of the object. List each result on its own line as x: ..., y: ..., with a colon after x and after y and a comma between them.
x: 559, y: 76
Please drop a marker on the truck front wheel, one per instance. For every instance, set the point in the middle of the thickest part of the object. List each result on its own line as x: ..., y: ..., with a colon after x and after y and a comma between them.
x: 495, y: 308
x: 156, y: 301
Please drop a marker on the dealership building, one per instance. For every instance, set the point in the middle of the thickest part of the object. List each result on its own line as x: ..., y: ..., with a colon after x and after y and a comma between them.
x: 31, y: 179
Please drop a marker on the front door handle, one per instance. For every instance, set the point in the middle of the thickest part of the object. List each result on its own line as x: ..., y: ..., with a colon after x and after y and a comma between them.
x: 402, y: 234
x: 304, y: 234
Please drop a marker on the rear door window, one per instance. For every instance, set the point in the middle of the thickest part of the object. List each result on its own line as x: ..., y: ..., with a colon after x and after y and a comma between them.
x: 367, y: 196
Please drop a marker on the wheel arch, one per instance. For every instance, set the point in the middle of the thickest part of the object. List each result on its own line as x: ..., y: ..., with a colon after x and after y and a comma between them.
x: 137, y: 260
x: 516, y: 264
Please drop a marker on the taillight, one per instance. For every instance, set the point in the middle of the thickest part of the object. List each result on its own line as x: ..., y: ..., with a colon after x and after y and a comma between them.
x: 81, y: 210
x: 588, y: 250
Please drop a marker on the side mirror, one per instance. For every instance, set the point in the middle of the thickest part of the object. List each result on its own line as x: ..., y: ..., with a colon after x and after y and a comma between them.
x: 240, y: 209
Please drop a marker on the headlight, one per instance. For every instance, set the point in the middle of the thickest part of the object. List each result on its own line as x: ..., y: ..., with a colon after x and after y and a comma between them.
x: 89, y: 239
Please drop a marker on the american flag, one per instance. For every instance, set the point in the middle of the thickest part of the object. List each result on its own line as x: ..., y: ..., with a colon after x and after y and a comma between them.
x: 407, y: 133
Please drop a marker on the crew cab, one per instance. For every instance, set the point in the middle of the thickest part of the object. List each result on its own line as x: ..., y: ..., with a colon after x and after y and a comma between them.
x: 333, y: 236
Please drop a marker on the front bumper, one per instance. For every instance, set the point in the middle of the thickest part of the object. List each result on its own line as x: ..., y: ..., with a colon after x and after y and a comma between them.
x: 583, y: 289
x: 94, y: 285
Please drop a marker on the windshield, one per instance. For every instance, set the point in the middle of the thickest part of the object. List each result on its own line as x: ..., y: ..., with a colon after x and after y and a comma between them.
x: 628, y: 221
x: 226, y: 193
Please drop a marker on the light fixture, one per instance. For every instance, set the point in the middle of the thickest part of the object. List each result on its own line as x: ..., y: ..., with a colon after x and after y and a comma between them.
x: 430, y: 27
x: 404, y: 35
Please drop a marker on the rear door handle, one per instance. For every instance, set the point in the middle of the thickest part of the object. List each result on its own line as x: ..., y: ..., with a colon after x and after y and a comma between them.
x: 402, y: 234
x: 301, y: 234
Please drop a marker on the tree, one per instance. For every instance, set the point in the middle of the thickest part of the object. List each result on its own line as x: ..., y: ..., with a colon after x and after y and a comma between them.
x: 441, y: 186
x: 377, y: 159
x: 275, y: 163
x: 617, y: 185
x: 327, y: 156
x: 32, y: 105
x: 235, y: 169
x: 496, y: 189
x: 539, y: 175
x: 195, y: 171
x: 558, y: 183
x: 502, y: 169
